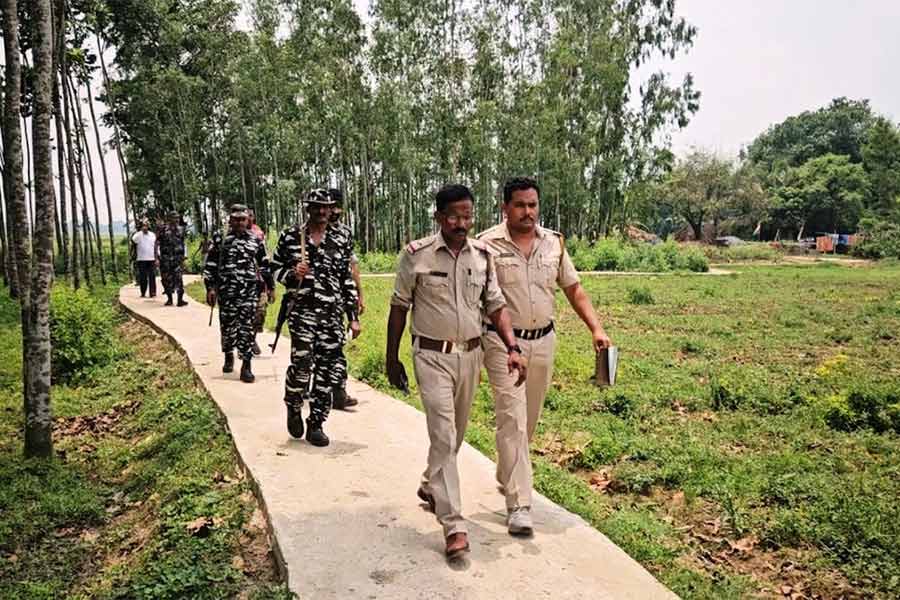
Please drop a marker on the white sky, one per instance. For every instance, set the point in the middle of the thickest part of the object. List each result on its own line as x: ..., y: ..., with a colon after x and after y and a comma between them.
x: 756, y: 63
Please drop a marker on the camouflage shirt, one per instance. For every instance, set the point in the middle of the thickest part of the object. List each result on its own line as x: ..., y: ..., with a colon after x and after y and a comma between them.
x: 328, y: 281
x: 236, y: 265
x: 171, y: 244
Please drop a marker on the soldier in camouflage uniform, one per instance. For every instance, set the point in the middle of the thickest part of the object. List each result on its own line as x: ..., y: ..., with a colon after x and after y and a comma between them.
x: 172, y: 250
x: 320, y: 293
x: 234, y: 266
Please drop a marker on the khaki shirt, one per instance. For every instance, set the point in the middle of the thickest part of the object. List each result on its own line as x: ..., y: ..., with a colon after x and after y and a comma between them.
x: 447, y: 293
x: 530, y: 284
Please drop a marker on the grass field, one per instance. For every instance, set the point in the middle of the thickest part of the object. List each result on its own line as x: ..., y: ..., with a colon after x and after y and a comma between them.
x: 144, y: 498
x: 750, y: 445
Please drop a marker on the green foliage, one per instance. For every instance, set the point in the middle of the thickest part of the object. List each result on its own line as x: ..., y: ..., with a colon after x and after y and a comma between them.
x: 116, y: 499
x: 80, y: 333
x: 825, y: 194
x: 377, y: 262
x: 640, y: 295
x: 881, y: 239
x: 866, y: 407
x: 614, y: 254
x: 743, y: 252
x: 881, y: 158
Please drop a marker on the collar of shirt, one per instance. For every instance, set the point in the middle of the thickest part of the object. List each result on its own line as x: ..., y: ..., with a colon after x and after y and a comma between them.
x: 538, y: 232
x: 442, y: 243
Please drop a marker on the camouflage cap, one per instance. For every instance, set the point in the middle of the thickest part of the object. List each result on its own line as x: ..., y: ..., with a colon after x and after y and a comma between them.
x: 336, y: 195
x: 319, y: 196
x: 239, y: 210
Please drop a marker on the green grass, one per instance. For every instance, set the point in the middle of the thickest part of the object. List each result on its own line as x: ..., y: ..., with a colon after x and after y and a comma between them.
x: 718, y: 430
x: 141, y: 451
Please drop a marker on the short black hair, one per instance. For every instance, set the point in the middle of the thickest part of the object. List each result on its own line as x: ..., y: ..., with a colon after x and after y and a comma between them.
x: 450, y: 193
x: 517, y: 184
x: 336, y: 195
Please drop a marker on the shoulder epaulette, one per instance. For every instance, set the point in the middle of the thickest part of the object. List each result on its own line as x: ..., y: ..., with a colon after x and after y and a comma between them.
x: 417, y: 245
x: 480, y: 246
x: 487, y: 232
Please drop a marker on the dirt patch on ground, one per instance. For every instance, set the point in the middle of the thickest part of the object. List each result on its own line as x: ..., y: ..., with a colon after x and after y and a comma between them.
x: 715, y: 546
x: 104, y: 423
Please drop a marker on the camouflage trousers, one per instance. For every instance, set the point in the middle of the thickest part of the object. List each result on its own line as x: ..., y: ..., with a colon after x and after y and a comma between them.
x: 259, y: 320
x: 171, y: 275
x: 236, y: 325
x: 318, y: 366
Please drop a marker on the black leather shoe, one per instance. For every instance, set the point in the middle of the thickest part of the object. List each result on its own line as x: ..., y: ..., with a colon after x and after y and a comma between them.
x: 181, y: 300
x: 246, y: 374
x: 295, y: 422
x: 228, y: 367
x: 168, y: 300
x: 315, y: 435
x: 255, y: 349
x: 341, y: 401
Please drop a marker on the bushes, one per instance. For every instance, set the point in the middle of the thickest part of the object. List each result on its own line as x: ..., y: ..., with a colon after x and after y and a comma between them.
x: 743, y: 252
x: 613, y: 254
x: 81, y: 333
x: 875, y: 407
x: 881, y: 239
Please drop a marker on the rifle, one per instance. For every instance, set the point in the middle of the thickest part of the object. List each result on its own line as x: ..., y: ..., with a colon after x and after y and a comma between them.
x: 288, y: 300
x: 211, y: 308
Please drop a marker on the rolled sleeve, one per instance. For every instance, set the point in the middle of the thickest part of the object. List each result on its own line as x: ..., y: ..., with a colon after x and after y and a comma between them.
x: 567, y: 276
x: 493, y: 295
x: 404, y: 282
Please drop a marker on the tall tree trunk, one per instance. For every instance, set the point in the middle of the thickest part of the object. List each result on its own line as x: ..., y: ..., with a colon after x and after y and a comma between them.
x: 86, y: 155
x: 9, y: 266
x: 70, y: 168
x: 59, y: 39
x: 38, y: 418
x: 87, y: 254
x: 109, y: 215
x: 14, y: 187
x: 30, y: 183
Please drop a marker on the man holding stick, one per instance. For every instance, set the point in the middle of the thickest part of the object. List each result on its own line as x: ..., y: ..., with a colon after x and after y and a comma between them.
x: 312, y: 260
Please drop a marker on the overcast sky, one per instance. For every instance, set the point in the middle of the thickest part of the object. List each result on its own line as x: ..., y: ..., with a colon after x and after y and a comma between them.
x: 758, y: 62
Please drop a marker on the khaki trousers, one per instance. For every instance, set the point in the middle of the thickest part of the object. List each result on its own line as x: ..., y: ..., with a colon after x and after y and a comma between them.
x: 517, y: 410
x: 447, y: 384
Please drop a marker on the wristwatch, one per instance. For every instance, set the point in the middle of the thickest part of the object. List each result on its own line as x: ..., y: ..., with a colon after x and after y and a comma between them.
x: 515, y: 348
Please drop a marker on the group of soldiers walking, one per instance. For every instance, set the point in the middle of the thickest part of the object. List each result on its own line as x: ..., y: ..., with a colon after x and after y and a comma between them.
x: 487, y: 301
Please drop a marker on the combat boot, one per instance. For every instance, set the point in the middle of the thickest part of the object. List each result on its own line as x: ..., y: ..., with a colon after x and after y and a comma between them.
x: 295, y: 421
x: 168, y: 300
x: 181, y: 300
x: 255, y: 348
x: 315, y: 435
x: 228, y: 367
x: 246, y: 374
x: 341, y: 401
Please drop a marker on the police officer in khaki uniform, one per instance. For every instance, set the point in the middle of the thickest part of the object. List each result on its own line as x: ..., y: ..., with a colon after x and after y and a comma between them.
x: 450, y: 282
x: 531, y: 262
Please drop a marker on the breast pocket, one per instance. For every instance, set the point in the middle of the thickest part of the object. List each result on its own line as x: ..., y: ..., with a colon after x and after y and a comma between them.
x: 434, y: 287
x: 548, y: 272
x: 508, y: 272
x: 475, y: 281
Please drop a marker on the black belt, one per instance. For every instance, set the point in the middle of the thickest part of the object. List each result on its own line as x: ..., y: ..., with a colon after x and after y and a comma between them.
x: 445, y: 346
x: 527, y: 334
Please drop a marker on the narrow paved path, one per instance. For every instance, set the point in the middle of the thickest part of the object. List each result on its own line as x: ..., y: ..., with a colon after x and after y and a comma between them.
x: 346, y: 520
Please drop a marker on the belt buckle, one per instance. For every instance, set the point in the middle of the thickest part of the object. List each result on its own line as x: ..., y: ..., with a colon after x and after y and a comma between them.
x: 444, y: 347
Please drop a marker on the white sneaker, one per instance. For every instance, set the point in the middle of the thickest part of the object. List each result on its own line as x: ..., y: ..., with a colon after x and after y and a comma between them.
x: 519, y: 521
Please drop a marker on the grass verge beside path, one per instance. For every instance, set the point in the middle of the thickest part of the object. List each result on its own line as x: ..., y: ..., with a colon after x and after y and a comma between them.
x: 144, y: 498
x: 750, y: 446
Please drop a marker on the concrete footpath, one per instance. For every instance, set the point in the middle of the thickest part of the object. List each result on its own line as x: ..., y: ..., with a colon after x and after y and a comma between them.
x: 345, y: 519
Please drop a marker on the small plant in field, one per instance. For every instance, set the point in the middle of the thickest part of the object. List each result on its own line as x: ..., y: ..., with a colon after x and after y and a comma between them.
x: 640, y: 295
